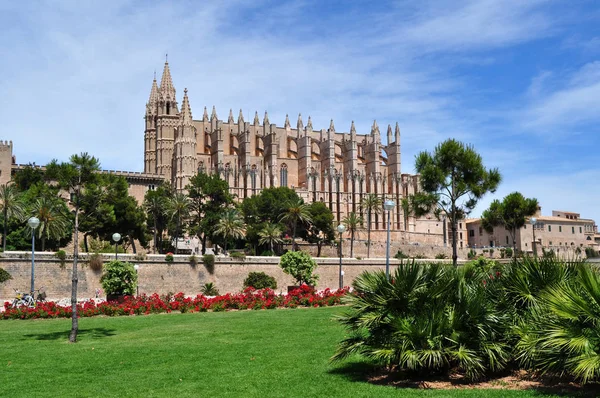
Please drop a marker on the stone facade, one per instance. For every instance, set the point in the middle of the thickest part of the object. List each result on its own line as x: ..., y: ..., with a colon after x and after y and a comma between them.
x: 337, y: 168
x: 562, y: 232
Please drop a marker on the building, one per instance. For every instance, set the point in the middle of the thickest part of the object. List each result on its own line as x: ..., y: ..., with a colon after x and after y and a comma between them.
x: 337, y: 168
x: 562, y: 232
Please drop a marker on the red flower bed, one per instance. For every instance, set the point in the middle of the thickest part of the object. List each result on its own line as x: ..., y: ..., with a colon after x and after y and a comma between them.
x: 250, y: 298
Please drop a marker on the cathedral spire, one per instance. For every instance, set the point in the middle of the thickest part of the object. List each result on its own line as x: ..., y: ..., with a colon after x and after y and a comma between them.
x: 153, y: 92
x: 266, y: 119
x: 397, y: 133
x: 205, y: 115
x: 352, y: 131
x: 300, y: 124
x: 186, y: 110
x: 309, y: 124
x: 331, y: 126
x: 213, y: 114
x: 389, y: 134
x: 287, y: 122
x: 256, y: 120
x: 167, y: 90
x: 230, y: 119
x: 375, y: 127
x: 241, y: 118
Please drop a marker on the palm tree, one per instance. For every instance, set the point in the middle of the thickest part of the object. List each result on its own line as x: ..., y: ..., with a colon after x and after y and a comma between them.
x: 372, y: 204
x: 179, y: 207
x: 270, y: 234
x: 230, y: 225
x: 296, y: 212
x: 12, y: 207
x: 352, y: 222
x: 156, y: 207
x: 54, y: 223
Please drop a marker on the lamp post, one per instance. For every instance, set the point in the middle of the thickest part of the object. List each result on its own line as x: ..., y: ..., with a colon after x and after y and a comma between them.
x: 341, y: 229
x: 116, y: 237
x: 33, y: 223
x: 532, y: 221
x: 388, y: 205
x: 137, y: 285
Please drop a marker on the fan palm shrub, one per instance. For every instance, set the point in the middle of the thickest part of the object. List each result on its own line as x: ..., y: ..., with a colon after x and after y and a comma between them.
x: 426, y: 318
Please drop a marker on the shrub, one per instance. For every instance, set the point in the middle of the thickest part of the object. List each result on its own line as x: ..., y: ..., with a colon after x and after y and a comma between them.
x: 471, y: 254
x: 209, y: 262
x: 267, y: 253
x: 119, y: 278
x: 62, y: 256
x: 300, y: 266
x: 169, y: 257
x: 193, y: 260
x: 96, y: 262
x: 4, y: 275
x: 140, y: 257
x: 441, y: 256
x: 260, y: 280
x: 400, y: 255
x: 509, y: 252
x: 209, y: 289
x: 491, y: 252
x: 238, y: 255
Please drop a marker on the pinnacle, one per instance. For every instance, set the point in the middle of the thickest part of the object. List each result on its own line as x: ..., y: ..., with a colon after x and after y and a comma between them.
x: 230, y: 119
x: 300, y: 124
x: 309, y: 124
x: 331, y: 126
x: 375, y: 127
x: 186, y: 110
x: 205, y: 115
x: 167, y: 90
x: 352, y: 128
x: 287, y: 121
x: 153, y: 92
x: 266, y: 119
x: 397, y: 131
x: 214, y: 113
x: 256, y: 120
x: 241, y: 117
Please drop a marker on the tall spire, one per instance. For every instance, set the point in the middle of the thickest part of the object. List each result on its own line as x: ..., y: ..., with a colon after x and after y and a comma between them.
x: 213, y: 115
x: 167, y: 90
x: 241, y: 117
x: 256, y: 120
x: 389, y: 134
x: 352, y: 130
x: 186, y: 110
x: 331, y: 126
x: 375, y: 127
x: 287, y: 122
x: 205, y: 115
x: 309, y: 124
x: 266, y: 119
x: 153, y: 92
x: 397, y: 133
x: 230, y: 119
x: 300, y: 124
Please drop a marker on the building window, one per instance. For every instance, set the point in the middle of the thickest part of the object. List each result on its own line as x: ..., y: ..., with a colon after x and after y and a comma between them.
x: 471, y: 232
x: 507, y: 240
x: 459, y: 225
x: 560, y: 228
x: 151, y: 187
x: 283, y: 173
x: 460, y: 234
x: 549, y: 228
x: 253, y: 176
x: 579, y: 229
x: 550, y: 243
x: 573, y: 229
x: 480, y: 231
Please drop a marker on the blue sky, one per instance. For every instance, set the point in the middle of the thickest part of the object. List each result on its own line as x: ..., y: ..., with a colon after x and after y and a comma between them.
x: 519, y: 80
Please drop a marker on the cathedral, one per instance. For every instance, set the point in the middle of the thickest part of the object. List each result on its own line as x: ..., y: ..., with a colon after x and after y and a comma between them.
x: 334, y: 167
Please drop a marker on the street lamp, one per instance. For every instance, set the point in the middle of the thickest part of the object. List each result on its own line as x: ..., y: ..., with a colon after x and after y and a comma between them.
x: 116, y: 237
x: 341, y: 229
x: 33, y: 223
x: 532, y: 221
x: 137, y: 285
x: 388, y: 205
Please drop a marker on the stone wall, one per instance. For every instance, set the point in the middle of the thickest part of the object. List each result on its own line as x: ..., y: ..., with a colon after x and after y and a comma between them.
x: 157, y: 276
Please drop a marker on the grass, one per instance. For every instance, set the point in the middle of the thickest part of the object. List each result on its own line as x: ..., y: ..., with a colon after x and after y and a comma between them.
x: 275, y: 353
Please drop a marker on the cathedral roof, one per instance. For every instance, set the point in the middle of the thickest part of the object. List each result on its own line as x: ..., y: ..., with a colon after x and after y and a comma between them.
x: 167, y: 90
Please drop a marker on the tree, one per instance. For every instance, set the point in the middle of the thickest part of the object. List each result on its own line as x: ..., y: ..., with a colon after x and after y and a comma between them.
x: 296, y: 212
x: 230, y: 225
x: 300, y: 266
x: 12, y: 207
x: 156, y: 206
x: 179, y: 207
x: 28, y: 176
x: 209, y: 198
x: 454, y: 172
x: 74, y: 177
x: 511, y: 213
x: 321, y: 228
x: 353, y: 223
x: 269, y: 235
x: 54, y: 221
x: 372, y: 204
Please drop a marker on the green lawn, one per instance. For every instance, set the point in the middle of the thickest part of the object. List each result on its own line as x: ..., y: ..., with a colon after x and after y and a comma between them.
x: 274, y: 353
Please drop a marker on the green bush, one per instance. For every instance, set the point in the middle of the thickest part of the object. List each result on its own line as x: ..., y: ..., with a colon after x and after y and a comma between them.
x: 400, y: 255
x: 4, y: 275
x: 209, y: 289
x: 193, y: 260
x: 471, y: 254
x: 441, y: 256
x: 260, y: 280
x: 119, y: 278
x: 62, y: 256
x: 300, y: 265
x: 209, y: 262
x: 169, y: 257
x: 508, y: 251
x: 267, y: 253
x: 238, y: 255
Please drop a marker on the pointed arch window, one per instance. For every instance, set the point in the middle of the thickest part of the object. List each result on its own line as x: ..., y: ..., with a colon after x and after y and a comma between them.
x: 283, y: 174
x: 253, y: 177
